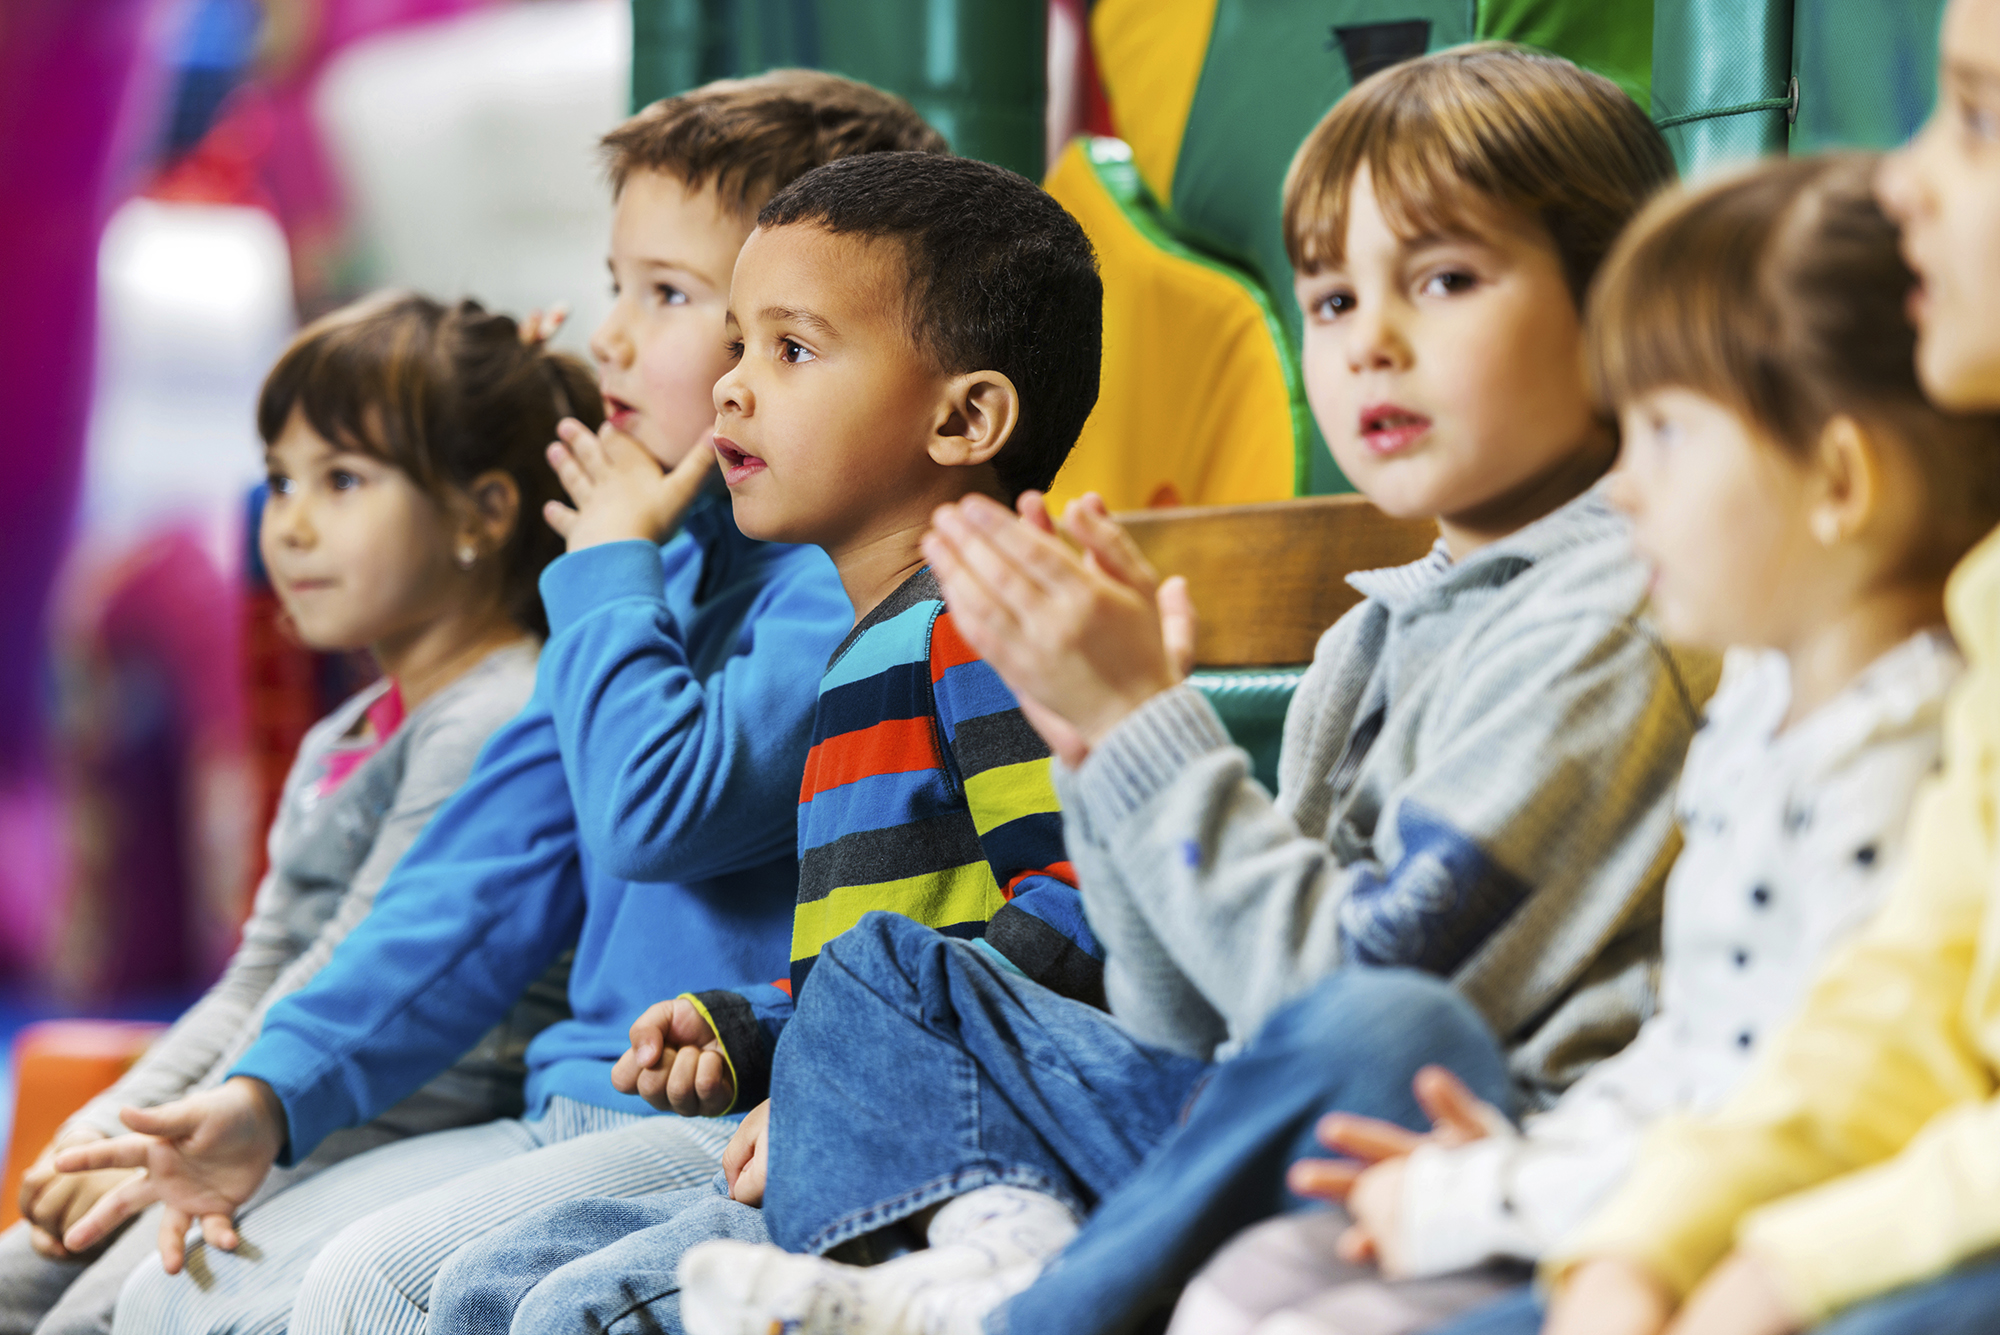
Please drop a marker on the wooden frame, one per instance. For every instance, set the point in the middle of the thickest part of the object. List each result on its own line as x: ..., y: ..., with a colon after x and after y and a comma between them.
x: 1269, y: 579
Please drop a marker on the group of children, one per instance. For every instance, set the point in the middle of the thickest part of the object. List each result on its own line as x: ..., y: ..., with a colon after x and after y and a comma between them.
x: 782, y: 881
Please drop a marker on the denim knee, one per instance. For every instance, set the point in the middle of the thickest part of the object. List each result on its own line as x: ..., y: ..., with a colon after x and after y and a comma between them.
x: 1365, y: 1019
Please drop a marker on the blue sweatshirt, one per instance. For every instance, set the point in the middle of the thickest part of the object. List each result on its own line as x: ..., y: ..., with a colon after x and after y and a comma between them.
x: 641, y: 808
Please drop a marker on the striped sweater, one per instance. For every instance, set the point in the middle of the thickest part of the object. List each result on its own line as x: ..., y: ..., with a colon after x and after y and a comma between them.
x: 925, y: 793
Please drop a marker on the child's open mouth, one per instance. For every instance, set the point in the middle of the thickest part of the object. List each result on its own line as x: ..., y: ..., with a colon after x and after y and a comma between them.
x: 620, y: 413
x: 737, y: 463
x: 1388, y: 429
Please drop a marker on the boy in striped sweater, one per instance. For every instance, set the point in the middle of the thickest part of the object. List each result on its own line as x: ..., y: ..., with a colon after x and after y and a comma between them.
x: 908, y: 330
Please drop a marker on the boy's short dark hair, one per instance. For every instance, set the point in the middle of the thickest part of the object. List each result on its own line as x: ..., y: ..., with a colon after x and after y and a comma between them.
x: 753, y: 137
x: 1001, y: 279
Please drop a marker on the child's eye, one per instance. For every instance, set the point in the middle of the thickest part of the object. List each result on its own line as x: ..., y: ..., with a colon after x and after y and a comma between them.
x: 1333, y: 305
x: 670, y: 295
x: 734, y: 347
x: 1979, y: 122
x: 1448, y: 282
x: 792, y: 353
x: 279, y: 484
x: 342, y: 480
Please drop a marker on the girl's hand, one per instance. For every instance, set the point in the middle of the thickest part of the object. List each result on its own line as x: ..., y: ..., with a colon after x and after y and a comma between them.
x: 1369, y: 1180
x: 747, y: 1154
x: 1081, y: 637
x: 1740, y: 1297
x: 51, y: 1201
x: 1609, y: 1297
x: 618, y: 490
x: 675, y: 1062
x: 204, y: 1156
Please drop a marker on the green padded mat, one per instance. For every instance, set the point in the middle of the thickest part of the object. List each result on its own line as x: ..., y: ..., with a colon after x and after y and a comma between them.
x: 1867, y: 72
x: 975, y: 68
x: 1252, y: 704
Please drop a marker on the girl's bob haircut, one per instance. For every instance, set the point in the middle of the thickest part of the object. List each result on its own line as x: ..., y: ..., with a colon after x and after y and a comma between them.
x: 1779, y: 292
x: 445, y: 393
x: 1450, y: 137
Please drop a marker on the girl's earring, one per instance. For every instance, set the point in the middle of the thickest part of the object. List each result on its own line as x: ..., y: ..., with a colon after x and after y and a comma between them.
x: 1826, y: 527
x: 467, y: 555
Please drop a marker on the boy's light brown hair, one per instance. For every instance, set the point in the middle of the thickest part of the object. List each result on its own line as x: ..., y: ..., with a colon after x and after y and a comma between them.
x: 1780, y: 292
x: 1447, y: 138
x: 750, y: 138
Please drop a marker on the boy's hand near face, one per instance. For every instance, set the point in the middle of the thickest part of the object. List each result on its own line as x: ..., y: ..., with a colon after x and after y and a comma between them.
x: 1082, y: 640
x: 747, y: 1154
x: 618, y: 490
x: 1369, y: 1181
x: 675, y: 1062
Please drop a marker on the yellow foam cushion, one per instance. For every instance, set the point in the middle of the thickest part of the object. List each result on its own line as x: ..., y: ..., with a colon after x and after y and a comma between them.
x: 1198, y: 402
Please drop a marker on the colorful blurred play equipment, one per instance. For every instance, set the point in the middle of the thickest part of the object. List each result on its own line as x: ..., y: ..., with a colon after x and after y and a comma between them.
x: 60, y: 1065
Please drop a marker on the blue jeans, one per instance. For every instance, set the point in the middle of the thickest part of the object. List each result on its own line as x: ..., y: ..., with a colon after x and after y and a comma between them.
x: 1353, y: 1044
x: 602, y: 1265
x: 916, y: 1070
x: 1965, y: 1302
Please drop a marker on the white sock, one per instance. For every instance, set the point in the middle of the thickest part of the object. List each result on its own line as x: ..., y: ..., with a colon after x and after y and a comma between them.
x: 986, y: 1246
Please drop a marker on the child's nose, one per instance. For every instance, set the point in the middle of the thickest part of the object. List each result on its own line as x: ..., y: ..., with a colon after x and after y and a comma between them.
x: 732, y: 395
x: 610, y: 345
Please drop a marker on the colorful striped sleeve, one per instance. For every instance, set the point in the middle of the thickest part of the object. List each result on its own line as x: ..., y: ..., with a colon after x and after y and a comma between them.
x: 1002, y: 765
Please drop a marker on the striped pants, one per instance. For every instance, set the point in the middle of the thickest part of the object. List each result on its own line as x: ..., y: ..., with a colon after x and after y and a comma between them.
x: 355, y: 1248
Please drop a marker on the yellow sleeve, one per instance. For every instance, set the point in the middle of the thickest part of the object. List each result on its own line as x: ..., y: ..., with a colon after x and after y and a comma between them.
x: 1878, y: 1051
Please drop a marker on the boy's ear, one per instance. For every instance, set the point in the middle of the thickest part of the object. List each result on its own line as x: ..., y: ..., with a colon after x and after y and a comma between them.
x: 1848, y: 460
x: 981, y: 410
x: 493, y: 508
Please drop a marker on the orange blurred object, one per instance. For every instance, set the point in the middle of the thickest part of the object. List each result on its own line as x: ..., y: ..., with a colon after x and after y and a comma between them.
x: 60, y: 1065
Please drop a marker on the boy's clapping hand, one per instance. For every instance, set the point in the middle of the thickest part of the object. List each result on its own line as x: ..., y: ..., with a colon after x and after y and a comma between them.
x: 619, y: 491
x: 1082, y: 640
x: 675, y: 1062
x: 1369, y: 1181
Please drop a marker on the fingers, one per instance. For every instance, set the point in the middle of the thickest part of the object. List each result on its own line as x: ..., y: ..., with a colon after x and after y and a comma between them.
x: 1457, y: 1115
x: 219, y: 1230
x: 649, y: 1033
x: 1005, y: 550
x: 1356, y: 1245
x: 117, y: 1152
x: 1033, y: 508
x: 1178, y: 623
x: 1365, y: 1138
x: 625, y: 1072
x: 748, y: 1188
x: 174, y: 1225
x: 685, y: 1024
x: 987, y: 623
x: 1092, y: 528
x: 559, y: 517
x: 117, y: 1205
x: 1324, y: 1179
x: 46, y: 1245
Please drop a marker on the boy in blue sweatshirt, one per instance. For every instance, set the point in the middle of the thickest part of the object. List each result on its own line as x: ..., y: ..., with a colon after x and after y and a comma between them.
x: 911, y: 330
x: 638, y: 812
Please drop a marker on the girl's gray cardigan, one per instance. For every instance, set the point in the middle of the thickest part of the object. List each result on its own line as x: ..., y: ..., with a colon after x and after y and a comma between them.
x: 328, y: 858
x: 1477, y: 780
